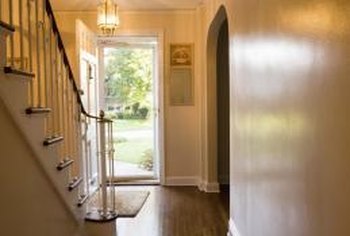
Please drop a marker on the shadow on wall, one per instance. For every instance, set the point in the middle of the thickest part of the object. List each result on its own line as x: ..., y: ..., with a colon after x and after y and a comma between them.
x: 223, y: 105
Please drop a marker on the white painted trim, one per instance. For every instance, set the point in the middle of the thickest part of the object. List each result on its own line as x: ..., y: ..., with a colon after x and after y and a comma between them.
x: 161, y: 106
x: 3, y: 48
x: 224, y: 179
x: 233, y: 231
x: 213, y: 187
x: 207, y: 187
x: 181, y: 181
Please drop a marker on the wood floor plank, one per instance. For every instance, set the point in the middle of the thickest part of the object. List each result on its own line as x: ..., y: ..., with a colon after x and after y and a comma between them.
x: 178, y: 211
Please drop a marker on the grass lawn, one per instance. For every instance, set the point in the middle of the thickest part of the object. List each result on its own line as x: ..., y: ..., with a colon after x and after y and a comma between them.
x: 121, y: 125
x: 131, y: 151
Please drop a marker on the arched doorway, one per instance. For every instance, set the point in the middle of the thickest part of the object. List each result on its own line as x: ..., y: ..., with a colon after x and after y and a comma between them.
x: 216, y: 164
x: 223, y: 107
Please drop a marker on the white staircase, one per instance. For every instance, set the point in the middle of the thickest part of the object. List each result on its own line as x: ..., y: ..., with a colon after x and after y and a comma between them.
x: 49, y: 115
x: 14, y: 86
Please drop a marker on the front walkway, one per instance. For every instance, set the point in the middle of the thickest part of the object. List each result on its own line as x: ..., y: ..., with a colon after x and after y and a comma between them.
x: 123, y: 169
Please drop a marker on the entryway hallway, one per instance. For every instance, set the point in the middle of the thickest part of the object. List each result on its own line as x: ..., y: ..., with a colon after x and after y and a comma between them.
x: 177, y: 211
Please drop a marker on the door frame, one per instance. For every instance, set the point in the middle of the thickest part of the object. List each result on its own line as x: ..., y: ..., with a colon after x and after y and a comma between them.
x: 209, y: 165
x: 86, y: 54
x: 159, y: 86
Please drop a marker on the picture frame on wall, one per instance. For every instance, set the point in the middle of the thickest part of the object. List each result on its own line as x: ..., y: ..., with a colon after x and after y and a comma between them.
x: 181, y: 84
x: 181, y: 74
x: 181, y: 54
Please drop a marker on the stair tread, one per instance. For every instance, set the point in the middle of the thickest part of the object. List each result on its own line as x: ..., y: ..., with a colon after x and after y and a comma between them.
x: 15, y: 71
x: 82, y: 199
x: 64, y: 164
x: 7, y: 26
x: 52, y: 140
x: 37, y: 110
x: 75, y: 183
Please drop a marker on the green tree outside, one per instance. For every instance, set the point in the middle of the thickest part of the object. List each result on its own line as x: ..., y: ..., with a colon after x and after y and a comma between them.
x: 128, y: 75
x: 128, y: 87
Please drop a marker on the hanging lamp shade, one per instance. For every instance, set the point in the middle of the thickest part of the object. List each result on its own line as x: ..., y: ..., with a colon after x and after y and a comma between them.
x: 108, y: 17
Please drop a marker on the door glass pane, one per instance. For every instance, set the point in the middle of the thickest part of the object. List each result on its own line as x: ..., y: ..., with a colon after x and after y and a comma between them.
x: 129, y: 101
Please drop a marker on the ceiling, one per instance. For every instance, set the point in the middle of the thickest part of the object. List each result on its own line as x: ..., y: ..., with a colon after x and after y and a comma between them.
x: 90, y: 5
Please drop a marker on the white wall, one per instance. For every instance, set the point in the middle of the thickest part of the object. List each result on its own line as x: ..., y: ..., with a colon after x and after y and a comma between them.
x: 182, y: 134
x: 290, y: 116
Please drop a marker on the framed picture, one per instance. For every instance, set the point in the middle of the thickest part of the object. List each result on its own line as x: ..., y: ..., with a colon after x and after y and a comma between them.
x: 181, y: 55
x: 181, y: 84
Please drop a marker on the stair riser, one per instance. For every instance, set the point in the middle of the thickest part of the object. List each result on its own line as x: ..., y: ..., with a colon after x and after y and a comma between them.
x: 73, y: 196
x: 4, y: 33
x: 14, y: 92
x: 17, y: 103
x: 64, y: 176
x: 35, y: 125
x: 2, y: 49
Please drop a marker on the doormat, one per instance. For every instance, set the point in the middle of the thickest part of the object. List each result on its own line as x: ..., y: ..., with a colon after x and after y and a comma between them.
x: 127, y: 203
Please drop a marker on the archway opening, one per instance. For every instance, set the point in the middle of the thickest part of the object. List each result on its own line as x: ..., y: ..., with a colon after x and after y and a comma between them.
x: 217, y: 108
x: 223, y: 107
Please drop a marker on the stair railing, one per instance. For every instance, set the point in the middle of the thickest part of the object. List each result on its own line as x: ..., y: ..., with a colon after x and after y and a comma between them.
x: 36, y: 47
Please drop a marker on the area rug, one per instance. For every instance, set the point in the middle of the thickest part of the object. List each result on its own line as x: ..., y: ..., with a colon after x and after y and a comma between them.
x: 127, y: 203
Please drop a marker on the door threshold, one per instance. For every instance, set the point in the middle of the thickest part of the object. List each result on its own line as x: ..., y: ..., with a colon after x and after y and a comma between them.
x: 123, y: 182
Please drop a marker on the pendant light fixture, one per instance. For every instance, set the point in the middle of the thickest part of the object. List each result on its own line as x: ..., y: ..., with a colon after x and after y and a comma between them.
x: 108, y: 17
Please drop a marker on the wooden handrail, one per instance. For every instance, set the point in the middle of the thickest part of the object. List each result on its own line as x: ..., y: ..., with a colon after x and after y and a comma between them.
x: 50, y: 13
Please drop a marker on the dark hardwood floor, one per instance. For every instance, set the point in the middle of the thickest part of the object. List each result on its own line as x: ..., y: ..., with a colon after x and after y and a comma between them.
x: 177, y: 211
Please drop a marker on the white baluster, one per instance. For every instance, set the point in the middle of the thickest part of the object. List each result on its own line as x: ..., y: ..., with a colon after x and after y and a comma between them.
x: 51, y: 81
x: 74, y: 132
x: 57, y: 92
x: 103, y: 182
x: 12, y: 47
x: 21, y: 44
x: 69, y: 126
x: 38, y: 69
x: 64, y: 113
x: 44, y: 64
x: 29, y: 7
x: 110, y: 124
x: 30, y: 54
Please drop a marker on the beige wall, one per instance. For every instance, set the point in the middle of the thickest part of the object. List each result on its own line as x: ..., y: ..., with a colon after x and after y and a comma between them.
x: 290, y: 116
x: 181, y: 123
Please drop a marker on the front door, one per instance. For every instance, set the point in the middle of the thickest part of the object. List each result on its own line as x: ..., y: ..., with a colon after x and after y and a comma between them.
x: 130, y: 98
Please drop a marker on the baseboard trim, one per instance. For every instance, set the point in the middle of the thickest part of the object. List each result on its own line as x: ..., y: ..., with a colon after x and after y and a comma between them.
x: 181, y: 181
x: 232, y: 231
x: 207, y: 187
x: 224, y: 179
x: 213, y: 187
